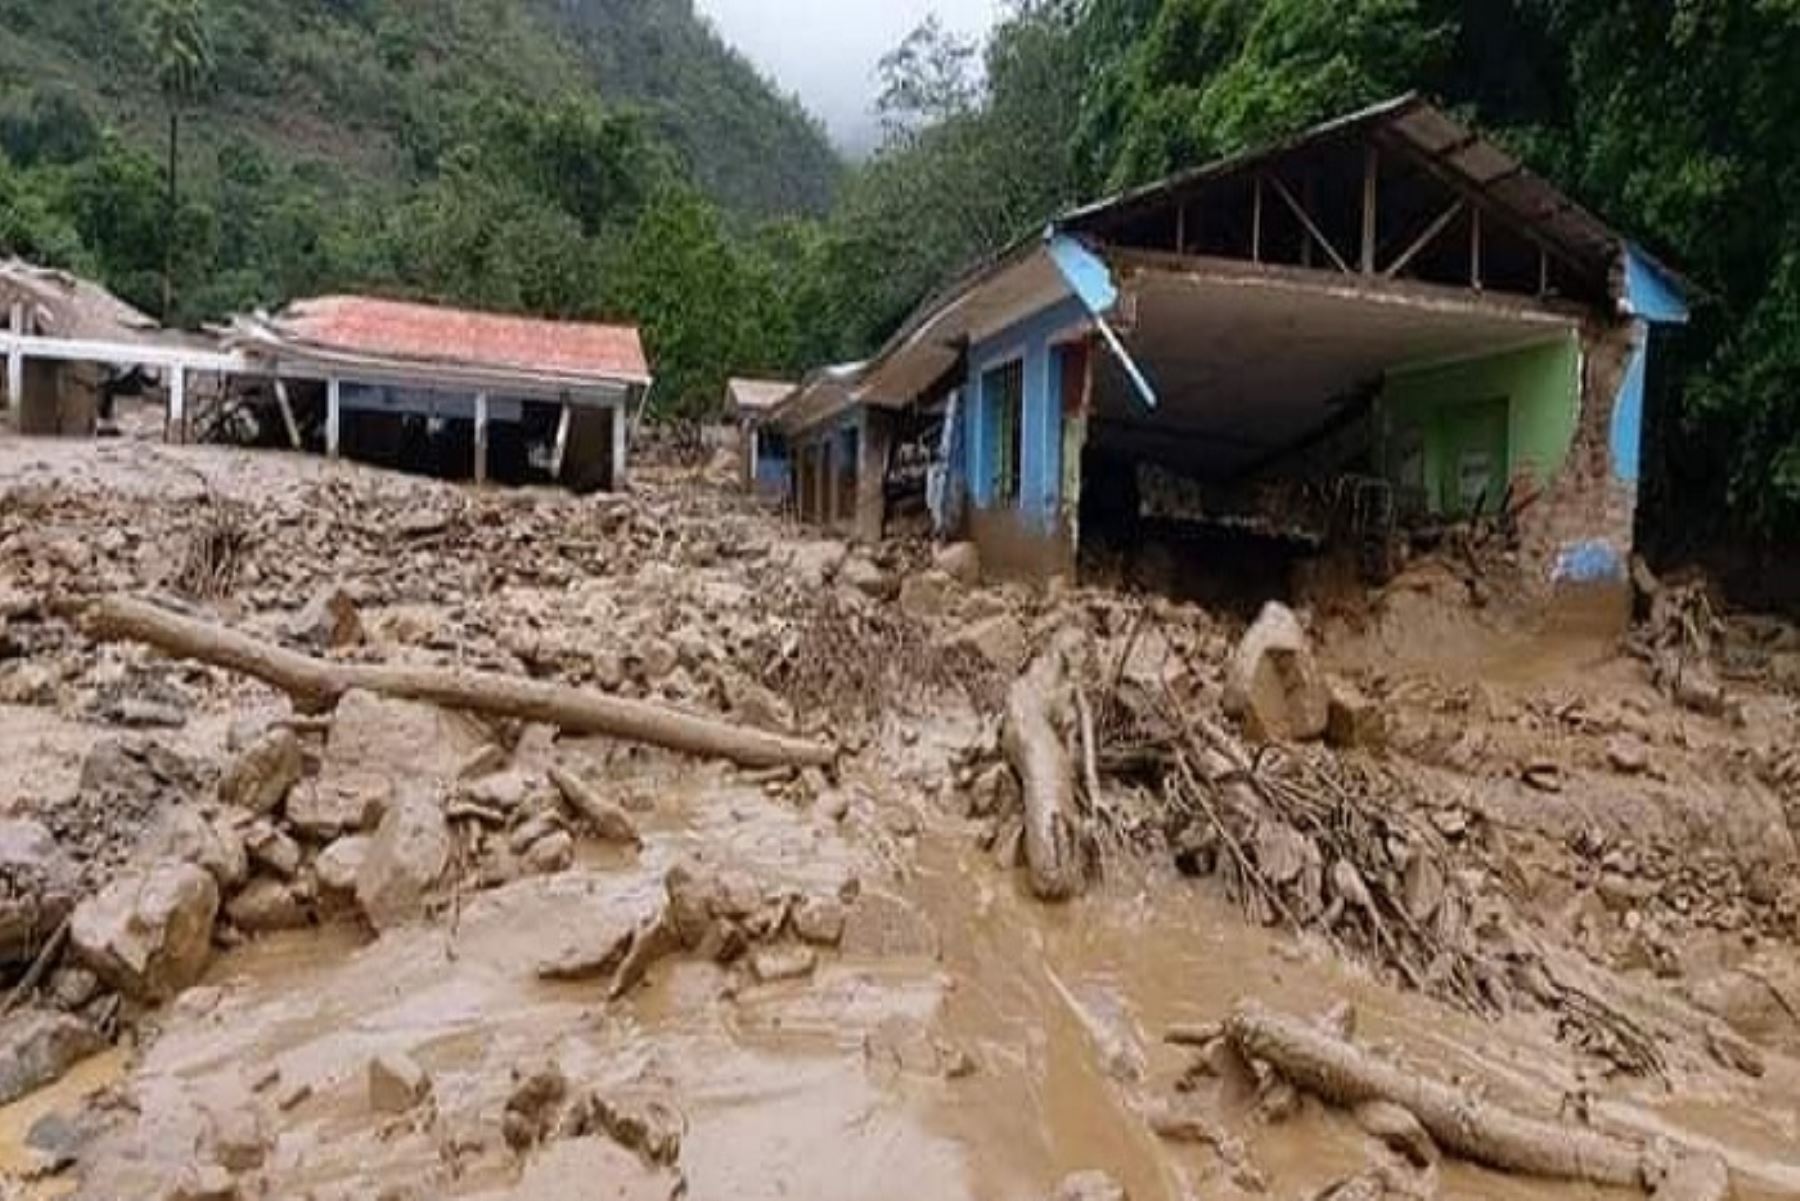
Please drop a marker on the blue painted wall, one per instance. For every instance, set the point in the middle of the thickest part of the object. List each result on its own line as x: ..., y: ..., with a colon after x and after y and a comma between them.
x: 1040, y: 455
x: 1655, y: 298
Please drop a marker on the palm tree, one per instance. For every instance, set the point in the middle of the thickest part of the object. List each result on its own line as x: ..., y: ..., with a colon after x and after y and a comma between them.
x: 181, y: 55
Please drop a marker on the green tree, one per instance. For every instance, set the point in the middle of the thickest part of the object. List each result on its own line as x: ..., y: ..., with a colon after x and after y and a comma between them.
x: 182, y: 58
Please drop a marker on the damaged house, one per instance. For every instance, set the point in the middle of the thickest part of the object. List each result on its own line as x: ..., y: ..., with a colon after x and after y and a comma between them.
x: 456, y: 393
x: 1383, y: 326
x: 762, y: 450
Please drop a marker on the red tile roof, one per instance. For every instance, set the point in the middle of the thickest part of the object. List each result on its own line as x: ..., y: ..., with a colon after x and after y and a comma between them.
x: 395, y: 329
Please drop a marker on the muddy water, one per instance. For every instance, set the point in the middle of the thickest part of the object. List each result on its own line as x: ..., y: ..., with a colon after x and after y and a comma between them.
x: 786, y: 1089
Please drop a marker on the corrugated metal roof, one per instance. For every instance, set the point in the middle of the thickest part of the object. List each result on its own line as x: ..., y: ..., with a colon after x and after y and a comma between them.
x: 428, y: 334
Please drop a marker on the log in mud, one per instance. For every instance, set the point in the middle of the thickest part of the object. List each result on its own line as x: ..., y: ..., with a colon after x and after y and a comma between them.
x: 1034, y: 747
x: 316, y: 685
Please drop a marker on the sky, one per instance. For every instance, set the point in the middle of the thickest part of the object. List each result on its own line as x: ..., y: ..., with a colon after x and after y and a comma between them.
x: 825, y: 51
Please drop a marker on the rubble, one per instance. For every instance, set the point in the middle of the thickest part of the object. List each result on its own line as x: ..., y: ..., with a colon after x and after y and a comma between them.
x: 261, y: 775
x: 1273, y: 684
x: 396, y: 1083
x: 404, y: 861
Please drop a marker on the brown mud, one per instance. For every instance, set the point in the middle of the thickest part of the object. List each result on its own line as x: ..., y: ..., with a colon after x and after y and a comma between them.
x: 961, y: 1040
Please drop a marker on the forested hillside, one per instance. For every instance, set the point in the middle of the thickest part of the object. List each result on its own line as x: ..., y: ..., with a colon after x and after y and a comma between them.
x: 557, y: 156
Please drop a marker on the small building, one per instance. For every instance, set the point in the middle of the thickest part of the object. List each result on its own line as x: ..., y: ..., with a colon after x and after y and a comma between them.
x: 838, y: 448
x: 762, y: 446
x: 1385, y: 323
x: 455, y: 392
x: 70, y: 346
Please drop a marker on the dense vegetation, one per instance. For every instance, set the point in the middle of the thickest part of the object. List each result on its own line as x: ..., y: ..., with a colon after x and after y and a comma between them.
x: 609, y: 156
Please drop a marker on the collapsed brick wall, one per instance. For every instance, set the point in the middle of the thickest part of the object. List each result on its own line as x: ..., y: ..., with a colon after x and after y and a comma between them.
x: 1586, y: 504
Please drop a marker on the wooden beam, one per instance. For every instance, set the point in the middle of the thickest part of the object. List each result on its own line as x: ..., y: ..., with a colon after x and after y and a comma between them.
x: 1475, y: 249
x: 1371, y: 195
x: 1256, y: 219
x: 1306, y: 223
x: 1424, y: 240
x: 481, y: 437
x: 561, y: 449
x: 125, y: 354
x: 618, y: 448
x: 176, y: 429
x: 287, y: 413
x: 15, y: 357
x: 334, y: 417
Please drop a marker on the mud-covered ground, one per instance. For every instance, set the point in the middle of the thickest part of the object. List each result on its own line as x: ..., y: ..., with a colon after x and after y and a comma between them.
x: 423, y: 972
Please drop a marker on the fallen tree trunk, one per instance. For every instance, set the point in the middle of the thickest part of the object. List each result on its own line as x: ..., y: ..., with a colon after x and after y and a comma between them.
x: 1474, y: 1129
x: 1034, y: 746
x: 316, y: 685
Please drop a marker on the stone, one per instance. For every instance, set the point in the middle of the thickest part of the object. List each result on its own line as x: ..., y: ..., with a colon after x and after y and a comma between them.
x: 73, y: 987
x: 38, y: 888
x: 595, y: 1169
x: 259, y: 777
x: 337, y: 865
x: 554, y: 852
x: 1627, y: 755
x: 531, y: 1109
x: 184, y: 834
x: 273, y: 850
x: 772, y: 964
x: 344, y: 804
x: 927, y: 596
x: 868, y: 579
x: 648, y: 1124
x: 405, y: 741
x: 1000, y: 639
x: 1353, y: 720
x: 204, y: 1182
x: 328, y: 621
x: 38, y: 1046
x: 405, y: 859
x: 819, y: 921
x: 396, y: 1083
x: 1273, y: 685
x: 813, y: 564
x: 1089, y: 1186
x: 149, y: 932
x: 961, y: 561
x: 266, y: 905
x: 239, y: 1137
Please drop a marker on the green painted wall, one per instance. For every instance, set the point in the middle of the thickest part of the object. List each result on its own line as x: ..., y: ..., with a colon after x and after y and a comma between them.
x: 1436, y: 414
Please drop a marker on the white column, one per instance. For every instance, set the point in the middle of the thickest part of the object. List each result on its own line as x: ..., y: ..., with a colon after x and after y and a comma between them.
x: 15, y: 359
x: 618, y: 447
x: 753, y: 431
x: 333, y: 416
x: 178, y: 404
x: 481, y: 437
x: 562, y: 442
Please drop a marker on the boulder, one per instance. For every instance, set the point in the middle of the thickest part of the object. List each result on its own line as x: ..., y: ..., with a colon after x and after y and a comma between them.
x: 149, y: 932
x: 238, y: 1137
x: 783, y: 963
x: 204, y: 1182
x: 595, y: 1167
x: 396, y: 1083
x: 38, y: 1046
x: 259, y: 777
x: 1000, y: 639
x: 1273, y: 684
x: 961, y: 561
x: 185, y: 835
x: 554, y: 852
x: 273, y: 850
x: 868, y: 579
x: 346, y: 803
x: 405, y: 859
x: 266, y: 905
x: 928, y: 595
x: 819, y: 920
x: 403, y: 740
x: 1353, y: 720
x: 326, y: 622
x: 339, y: 864
x: 38, y: 887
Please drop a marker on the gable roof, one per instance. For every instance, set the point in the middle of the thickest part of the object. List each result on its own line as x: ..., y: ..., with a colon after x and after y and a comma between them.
x: 1439, y: 142
x: 399, y: 332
